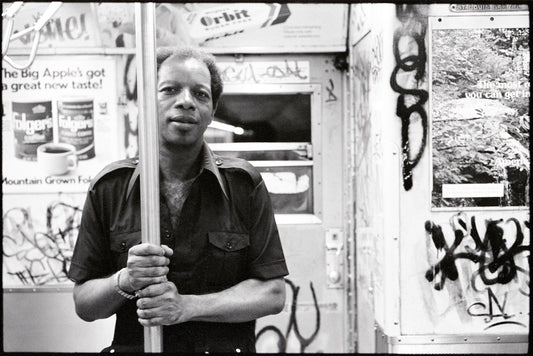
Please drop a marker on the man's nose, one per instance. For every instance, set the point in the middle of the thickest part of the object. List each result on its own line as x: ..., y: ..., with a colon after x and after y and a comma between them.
x: 185, y: 100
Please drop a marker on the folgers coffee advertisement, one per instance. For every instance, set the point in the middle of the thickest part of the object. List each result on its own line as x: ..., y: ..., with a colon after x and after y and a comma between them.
x: 76, y: 125
x: 59, y: 124
x: 32, y: 127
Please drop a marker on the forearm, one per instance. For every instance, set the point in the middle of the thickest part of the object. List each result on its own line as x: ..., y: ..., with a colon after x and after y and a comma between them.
x: 248, y: 300
x: 97, y: 298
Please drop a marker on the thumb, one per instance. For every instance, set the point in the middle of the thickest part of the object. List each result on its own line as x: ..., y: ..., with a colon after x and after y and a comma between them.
x: 167, y: 250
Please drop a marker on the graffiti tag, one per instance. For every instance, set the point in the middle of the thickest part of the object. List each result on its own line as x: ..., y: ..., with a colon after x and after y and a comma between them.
x: 479, y: 309
x: 35, y: 257
x: 293, y: 323
x: 411, y: 99
x: 331, y: 95
x: 496, y: 261
x: 265, y: 72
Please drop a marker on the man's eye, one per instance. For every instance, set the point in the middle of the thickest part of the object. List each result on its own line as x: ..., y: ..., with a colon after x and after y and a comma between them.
x: 167, y: 90
x: 202, y: 94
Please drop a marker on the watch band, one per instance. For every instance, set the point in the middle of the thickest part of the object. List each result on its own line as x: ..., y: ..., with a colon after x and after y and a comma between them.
x: 120, y: 291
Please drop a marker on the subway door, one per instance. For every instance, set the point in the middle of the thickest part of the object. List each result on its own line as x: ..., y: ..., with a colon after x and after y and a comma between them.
x: 315, y: 314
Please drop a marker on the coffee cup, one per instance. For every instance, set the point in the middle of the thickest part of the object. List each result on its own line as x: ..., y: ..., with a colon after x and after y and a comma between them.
x: 57, y: 158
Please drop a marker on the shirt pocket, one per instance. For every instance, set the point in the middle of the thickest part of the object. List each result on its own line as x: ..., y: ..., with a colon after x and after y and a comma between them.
x: 120, y: 243
x: 227, y: 255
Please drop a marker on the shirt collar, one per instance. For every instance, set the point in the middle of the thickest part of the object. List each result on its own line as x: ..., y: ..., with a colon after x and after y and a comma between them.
x: 209, y: 162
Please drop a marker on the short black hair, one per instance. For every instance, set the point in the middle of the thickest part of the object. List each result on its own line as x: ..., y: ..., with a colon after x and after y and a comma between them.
x: 163, y: 53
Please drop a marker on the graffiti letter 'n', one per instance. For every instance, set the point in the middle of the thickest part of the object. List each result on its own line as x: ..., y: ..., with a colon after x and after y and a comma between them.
x: 492, y: 298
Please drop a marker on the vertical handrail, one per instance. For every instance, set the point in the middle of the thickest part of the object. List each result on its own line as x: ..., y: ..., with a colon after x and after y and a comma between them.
x: 148, y: 141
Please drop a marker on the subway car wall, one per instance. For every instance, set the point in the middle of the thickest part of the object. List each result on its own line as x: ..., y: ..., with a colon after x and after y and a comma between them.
x: 422, y: 229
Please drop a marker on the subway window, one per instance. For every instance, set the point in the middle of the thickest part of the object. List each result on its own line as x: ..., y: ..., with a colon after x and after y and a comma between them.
x: 271, y: 129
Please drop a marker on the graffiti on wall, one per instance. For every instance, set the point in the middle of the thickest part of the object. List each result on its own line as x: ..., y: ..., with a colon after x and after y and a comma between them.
x: 499, y: 257
x: 489, y: 312
x: 330, y: 88
x: 368, y: 163
x: 286, y: 71
x: 366, y: 68
x: 292, y: 326
x: 408, y: 79
x: 32, y: 257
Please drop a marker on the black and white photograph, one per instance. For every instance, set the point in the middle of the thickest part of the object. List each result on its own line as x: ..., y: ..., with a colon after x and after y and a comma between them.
x: 266, y: 177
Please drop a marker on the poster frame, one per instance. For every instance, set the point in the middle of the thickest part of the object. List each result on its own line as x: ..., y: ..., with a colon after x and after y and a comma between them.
x: 464, y: 21
x: 113, y: 61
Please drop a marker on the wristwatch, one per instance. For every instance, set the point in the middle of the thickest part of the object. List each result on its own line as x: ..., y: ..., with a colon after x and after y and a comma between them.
x: 120, y: 291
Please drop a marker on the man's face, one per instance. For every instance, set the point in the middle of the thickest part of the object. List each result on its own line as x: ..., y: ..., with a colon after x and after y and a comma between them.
x: 185, y: 101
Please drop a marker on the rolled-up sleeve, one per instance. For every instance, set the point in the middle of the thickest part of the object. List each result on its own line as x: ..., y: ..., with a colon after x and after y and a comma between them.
x: 266, y: 257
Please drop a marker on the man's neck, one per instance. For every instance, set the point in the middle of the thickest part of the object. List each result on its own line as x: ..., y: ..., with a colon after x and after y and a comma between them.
x: 179, y: 163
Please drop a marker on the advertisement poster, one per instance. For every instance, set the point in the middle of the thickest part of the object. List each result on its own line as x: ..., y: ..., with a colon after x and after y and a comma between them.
x: 59, y: 124
x: 235, y: 27
x: 480, y: 115
x: 72, y: 25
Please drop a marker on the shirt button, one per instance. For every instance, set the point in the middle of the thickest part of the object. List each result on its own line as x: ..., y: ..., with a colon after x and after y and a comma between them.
x: 229, y: 245
x: 218, y: 162
x: 122, y: 245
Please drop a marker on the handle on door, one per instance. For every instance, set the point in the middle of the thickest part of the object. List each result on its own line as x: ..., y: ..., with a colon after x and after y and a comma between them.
x: 334, y: 258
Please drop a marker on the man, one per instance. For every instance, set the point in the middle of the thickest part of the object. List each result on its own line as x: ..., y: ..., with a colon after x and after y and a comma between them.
x: 220, y: 265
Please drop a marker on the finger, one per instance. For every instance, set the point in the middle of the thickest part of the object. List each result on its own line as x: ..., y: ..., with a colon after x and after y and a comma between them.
x: 160, y: 315
x: 150, y: 306
x: 146, y: 306
x: 141, y: 283
x: 152, y: 322
x: 147, y: 272
x: 147, y: 261
x: 168, y: 251
x: 147, y: 249
x: 151, y: 313
x: 155, y: 290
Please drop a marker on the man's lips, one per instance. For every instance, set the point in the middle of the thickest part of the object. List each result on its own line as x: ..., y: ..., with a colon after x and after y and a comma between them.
x: 182, y: 119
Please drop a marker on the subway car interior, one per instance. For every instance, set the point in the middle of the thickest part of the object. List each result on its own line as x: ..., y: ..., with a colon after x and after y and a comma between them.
x: 393, y: 140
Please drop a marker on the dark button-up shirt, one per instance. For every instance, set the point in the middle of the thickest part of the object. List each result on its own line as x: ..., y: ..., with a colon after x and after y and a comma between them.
x: 226, y: 234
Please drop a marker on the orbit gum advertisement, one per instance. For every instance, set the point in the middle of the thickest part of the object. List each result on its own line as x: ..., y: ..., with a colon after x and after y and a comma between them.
x: 59, y: 124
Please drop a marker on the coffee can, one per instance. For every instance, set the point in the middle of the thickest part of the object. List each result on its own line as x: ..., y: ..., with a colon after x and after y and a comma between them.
x: 75, y: 118
x: 32, y: 127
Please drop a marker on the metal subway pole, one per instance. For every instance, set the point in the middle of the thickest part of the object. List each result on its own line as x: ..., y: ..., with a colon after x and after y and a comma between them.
x: 148, y: 141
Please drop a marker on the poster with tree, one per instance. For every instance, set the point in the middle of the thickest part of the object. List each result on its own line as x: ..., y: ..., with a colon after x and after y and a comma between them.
x: 480, y: 113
